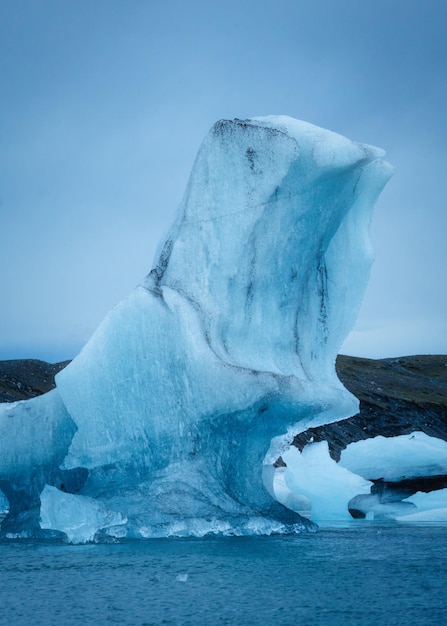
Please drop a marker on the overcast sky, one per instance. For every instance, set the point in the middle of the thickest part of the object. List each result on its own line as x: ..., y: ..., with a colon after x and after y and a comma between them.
x: 104, y: 104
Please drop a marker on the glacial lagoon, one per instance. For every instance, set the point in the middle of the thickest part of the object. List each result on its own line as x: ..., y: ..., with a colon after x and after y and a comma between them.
x: 362, y: 573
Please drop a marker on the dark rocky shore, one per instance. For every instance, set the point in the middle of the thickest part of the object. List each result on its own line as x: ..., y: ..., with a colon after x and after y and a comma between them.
x: 397, y: 396
x: 22, y: 379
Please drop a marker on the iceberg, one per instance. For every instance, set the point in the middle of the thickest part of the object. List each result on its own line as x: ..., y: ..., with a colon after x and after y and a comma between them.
x: 402, y: 478
x: 173, y: 417
x: 430, y: 507
x: 408, y: 471
x: 393, y: 459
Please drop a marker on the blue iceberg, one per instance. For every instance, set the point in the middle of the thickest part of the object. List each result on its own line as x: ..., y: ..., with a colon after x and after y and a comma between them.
x: 173, y: 417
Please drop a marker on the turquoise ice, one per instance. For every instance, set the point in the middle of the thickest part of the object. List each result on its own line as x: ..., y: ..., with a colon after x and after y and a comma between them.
x: 193, y: 386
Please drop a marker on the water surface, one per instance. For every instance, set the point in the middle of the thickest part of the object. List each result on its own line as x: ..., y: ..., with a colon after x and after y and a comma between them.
x: 366, y: 573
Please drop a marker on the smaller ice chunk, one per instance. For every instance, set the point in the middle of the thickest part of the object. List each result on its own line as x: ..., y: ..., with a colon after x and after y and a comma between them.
x: 33, y: 433
x: 315, y: 475
x: 79, y: 517
x: 433, y: 515
x: 181, y: 578
x: 294, y: 501
x: 372, y: 506
x: 436, y: 499
x: 396, y: 458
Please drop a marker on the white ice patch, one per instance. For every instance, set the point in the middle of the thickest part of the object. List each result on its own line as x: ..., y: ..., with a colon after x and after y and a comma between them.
x: 315, y: 475
x: 396, y: 458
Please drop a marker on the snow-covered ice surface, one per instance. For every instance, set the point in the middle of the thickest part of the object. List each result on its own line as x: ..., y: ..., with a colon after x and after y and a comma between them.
x: 325, y: 491
x: 193, y: 386
x: 396, y: 458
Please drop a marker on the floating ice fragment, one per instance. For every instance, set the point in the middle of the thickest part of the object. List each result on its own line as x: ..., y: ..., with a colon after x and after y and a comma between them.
x: 396, y: 458
x: 79, y: 517
x: 316, y: 476
x: 182, y: 578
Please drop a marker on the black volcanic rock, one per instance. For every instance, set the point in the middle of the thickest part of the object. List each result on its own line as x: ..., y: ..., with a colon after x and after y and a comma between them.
x: 397, y: 396
x: 22, y: 379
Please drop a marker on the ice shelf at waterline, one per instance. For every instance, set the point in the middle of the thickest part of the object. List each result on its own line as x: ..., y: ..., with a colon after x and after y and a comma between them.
x: 170, y: 419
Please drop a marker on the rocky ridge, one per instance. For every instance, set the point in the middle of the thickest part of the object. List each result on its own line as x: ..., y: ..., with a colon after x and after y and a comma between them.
x: 22, y: 379
x: 397, y: 396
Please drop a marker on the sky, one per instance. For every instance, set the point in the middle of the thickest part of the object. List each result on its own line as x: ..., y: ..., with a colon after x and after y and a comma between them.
x: 104, y: 104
